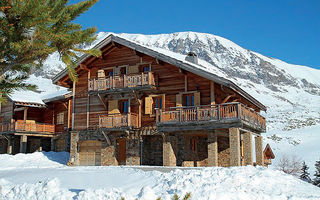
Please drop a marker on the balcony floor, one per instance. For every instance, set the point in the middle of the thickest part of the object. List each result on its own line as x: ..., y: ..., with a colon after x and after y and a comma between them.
x: 207, y: 125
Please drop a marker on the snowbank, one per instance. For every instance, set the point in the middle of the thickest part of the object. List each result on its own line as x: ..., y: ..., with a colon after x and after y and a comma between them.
x: 116, y: 182
x: 33, y: 160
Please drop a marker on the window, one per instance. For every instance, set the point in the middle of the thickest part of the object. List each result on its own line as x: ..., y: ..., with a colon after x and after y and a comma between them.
x: 109, y: 72
x: 146, y: 69
x: 124, y: 106
x: 157, y: 102
x: 60, y: 118
x: 123, y: 70
x: 188, y: 100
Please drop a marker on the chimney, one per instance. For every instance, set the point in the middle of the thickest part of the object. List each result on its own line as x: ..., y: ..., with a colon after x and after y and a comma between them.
x: 192, y: 57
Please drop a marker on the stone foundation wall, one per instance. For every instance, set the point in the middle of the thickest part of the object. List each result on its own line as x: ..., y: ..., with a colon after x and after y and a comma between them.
x: 152, y: 150
x: 192, y: 157
x: 62, y: 142
x: 223, y: 152
x: 109, y: 146
x: 34, y: 145
x: 3, y: 146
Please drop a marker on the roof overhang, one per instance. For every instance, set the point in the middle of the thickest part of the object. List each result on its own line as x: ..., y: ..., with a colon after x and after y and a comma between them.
x: 167, y: 59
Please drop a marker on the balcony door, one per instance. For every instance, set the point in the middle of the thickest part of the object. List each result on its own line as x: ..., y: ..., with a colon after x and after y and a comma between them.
x: 188, y: 100
x: 124, y: 106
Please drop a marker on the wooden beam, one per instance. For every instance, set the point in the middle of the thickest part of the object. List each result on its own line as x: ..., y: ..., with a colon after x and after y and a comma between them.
x: 88, y: 102
x: 69, y: 112
x: 227, y: 98
x: 212, y: 98
x: 84, y: 67
x: 103, y: 103
x: 73, y: 103
x: 25, y: 114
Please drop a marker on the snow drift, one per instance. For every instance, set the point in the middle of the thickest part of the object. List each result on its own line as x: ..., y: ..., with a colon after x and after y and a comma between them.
x: 54, y: 180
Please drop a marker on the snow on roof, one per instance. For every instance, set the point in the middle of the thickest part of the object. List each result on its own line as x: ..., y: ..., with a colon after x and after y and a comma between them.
x: 46, y: 90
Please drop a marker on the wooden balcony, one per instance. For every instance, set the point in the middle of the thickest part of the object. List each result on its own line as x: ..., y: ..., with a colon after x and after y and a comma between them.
x: 119, y: 121
x: 136, y: 81
x: 32, y: 127
x: 217, y: 116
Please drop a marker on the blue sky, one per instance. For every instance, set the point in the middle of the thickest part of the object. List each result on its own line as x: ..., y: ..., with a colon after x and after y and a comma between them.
x: 284, y: 29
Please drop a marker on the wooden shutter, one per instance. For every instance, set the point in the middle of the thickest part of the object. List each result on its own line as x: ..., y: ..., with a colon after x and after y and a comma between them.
x: 133, y: 69
x: 113, y: 107
x: 197, y: 99
x: 178, y: 100
x: 101, y: 74
x: 148, y: 105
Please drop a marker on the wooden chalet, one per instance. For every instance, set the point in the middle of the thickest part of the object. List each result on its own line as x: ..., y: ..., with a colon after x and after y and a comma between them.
x: 41, y: 125
x: 137, y: 105
x: 268, y: 155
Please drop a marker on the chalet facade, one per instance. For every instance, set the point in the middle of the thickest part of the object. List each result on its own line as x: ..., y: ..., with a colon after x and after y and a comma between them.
x: 28, y: 126
x: 137, y: 105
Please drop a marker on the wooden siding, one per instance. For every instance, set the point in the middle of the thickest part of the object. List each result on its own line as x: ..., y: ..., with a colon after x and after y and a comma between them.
x: 170, y: 80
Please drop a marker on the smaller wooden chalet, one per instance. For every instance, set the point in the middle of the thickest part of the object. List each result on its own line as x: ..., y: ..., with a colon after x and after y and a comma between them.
x: 138, y: 105
x: 29, y: 124
x: 268, y: 155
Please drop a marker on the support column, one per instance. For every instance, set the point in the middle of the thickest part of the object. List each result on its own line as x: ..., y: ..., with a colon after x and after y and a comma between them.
x: 10, y: 145
x: 169, y: 158
x: 212, y: 149
x: 52, y: 145
x: 23, y: 144
x: 259, y: 150
x: 234, y: 139
x: 247, y: 140
x: 74, y: 154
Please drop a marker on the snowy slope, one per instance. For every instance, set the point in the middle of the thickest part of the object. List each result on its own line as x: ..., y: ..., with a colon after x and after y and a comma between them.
x: 61, y: 182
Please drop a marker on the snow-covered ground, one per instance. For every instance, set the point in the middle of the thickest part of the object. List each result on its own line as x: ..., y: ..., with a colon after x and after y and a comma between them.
x: 47, y: 177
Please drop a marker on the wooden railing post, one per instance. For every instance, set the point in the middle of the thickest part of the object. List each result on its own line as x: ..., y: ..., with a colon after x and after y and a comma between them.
x: 218, y: 112
x: 129, y: 119
x: 198, y: 114
x: 180, y: 115
x: 142, y: 78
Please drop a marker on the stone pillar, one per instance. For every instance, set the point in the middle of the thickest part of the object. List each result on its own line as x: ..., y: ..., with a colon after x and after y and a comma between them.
x: 169, y: 158
x: 10, y: 145
x: 234, y: 139
x: 133, y: 151
x: 23, y: 144
x: 212, y: 149
x: 247, y: 142
x: 52, y: 146
x: 74, y: 154
x: 259, y: 150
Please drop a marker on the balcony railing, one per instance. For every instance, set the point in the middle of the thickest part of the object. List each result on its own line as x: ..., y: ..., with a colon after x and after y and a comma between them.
x: 124, y: 81
x: 118, y: 120
x: 228, y: 111
x: 23, y: 126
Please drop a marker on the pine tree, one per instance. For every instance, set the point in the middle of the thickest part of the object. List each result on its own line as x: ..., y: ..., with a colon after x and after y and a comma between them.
x: 304, y: 173
x: 32, y: 30
x: 316, y: 180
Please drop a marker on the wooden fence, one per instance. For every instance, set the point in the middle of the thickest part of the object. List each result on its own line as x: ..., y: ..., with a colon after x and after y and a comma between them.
x: 118, y: 120
x: 124, y: 81
x: 20, y: 125
x: 219, y: 112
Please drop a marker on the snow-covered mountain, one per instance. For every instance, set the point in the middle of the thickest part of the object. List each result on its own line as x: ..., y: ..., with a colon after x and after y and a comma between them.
x: 290, y: 92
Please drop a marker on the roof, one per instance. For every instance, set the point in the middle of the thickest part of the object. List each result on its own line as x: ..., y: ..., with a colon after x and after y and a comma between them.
x: 47, y: 91
x: 170, y: 57
x: 268, y: 152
